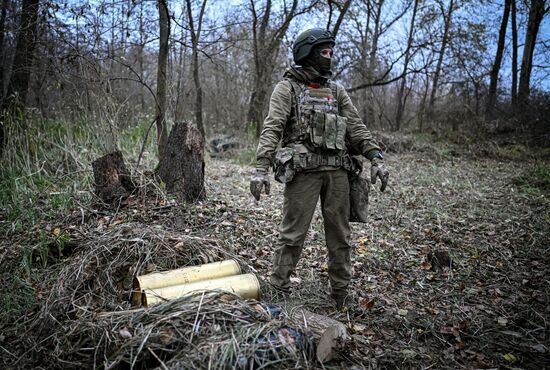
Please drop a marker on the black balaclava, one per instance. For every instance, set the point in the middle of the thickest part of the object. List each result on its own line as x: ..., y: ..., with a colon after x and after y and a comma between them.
x: 321, y: 64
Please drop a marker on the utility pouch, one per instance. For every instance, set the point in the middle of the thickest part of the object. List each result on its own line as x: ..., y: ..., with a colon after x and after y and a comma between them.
x: 358, y: 193
x: 330, y: 130
x: 283, y: 166
x: 316, y: 124
x: 341, y: 127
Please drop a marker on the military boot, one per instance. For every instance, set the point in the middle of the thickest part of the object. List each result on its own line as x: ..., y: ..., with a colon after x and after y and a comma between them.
x: 344, y: 302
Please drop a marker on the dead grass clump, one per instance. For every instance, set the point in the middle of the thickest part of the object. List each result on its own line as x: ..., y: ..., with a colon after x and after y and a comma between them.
x: 206, y: 332
x: 97, y: 277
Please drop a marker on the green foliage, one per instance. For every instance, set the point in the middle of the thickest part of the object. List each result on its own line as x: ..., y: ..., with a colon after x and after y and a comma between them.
x: 535, y: 180
x: 16, y: 300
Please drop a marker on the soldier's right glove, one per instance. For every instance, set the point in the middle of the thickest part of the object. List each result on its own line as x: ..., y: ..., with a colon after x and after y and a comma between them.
x: 259, y: 181
x: 379, y: 170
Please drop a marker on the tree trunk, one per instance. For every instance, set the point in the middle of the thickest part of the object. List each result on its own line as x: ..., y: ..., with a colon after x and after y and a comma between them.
x: 24, y: 55
x: 341, y: 17
x: 195, y: 37
x: 258, y: 100
x: 164, y: 24
x: 536, y: 14
x: 371, y: 68
x: 140, y: 56
x: 182, y: 167
x: 265, y: 56
x: 491, y: 97
x: 112, y: 180
x: 178, y: 108
x: 400, y: 95
x: 16, y: 93
x: 514, y: 54
x: 4, y: 11
x: 444, y: 42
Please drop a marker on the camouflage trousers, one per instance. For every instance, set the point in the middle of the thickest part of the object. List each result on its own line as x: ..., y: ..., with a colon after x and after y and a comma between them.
x: 300, y: 199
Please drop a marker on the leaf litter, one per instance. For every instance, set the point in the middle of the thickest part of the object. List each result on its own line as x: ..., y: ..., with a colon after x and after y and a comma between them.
x: 486, y: 308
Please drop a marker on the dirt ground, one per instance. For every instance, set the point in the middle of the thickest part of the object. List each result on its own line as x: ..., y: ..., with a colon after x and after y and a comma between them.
x: 489, y: 309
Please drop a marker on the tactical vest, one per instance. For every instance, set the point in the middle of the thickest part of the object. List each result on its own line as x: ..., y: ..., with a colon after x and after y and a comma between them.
x: 315, y: 122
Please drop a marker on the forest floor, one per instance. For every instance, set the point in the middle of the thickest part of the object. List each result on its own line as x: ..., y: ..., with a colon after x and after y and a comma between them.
x: 490, y: 309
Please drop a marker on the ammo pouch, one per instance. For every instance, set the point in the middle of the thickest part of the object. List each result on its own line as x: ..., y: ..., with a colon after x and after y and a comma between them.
x: 283, y: 165
x: 358, y: 193
x: 326, y: 131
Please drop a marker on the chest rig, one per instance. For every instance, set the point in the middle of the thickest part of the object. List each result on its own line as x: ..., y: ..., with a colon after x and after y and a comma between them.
x: 315, y: 122
x: 314, y: 138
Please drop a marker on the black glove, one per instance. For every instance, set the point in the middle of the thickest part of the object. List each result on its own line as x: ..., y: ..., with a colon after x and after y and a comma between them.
x: 379, y: 170
x: 257, y: 182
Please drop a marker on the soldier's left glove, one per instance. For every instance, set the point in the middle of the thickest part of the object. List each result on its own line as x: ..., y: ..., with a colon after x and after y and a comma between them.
x: 378, y: 170
x: 258, y: 181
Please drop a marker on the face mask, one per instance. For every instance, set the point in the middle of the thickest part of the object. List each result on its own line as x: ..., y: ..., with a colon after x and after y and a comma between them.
x: 319, y: 62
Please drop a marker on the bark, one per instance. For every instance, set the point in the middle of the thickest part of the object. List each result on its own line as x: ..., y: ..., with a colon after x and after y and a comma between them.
x: 444, y: 43
x: 178, y: 108
x: 514, y: 54
x: 331, y: 332
x: 536, y: 13
x: 401, y: 97
x: 182, y: 168
x: 491, y: 98
x: 265, y: 49
x: 24, y: 55
x: 141, y: 48
x: 195, y: 37
x: 371, y: 67
x: 341, y: 16
x: 164, y: 24
x: 4, y: 11
x: 112, y: 180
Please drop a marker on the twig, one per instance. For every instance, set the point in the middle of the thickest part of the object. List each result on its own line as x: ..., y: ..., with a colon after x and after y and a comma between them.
x: 158, y: 359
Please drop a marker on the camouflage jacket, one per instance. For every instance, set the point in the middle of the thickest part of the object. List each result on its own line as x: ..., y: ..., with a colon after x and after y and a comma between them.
x: 281, y: 107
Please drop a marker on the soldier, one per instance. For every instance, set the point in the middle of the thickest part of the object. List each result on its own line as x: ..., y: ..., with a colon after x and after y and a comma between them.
x: 319, y: 128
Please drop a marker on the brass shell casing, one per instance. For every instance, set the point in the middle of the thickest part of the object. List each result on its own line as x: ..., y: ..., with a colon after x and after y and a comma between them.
x: 246, y: 286
x: 185, y: 275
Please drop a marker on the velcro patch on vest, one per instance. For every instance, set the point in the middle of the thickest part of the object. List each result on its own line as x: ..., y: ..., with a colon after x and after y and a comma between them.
x: 323, y: 93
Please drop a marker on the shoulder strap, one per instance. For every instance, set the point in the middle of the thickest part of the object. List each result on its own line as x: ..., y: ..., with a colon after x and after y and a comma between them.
x: 334, y: 89
x: 295, y: 89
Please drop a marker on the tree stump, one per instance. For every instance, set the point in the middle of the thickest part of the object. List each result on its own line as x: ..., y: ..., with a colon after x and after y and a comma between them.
x: 112, y: 180
x: 181, y: 168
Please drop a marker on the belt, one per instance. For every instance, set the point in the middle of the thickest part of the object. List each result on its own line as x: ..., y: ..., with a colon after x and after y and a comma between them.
x: 312, y: 161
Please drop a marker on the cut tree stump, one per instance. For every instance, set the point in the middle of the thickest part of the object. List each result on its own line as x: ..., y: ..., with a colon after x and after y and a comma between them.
x: 182, y: 166
x: 112, y: 180
x: 332, y: 332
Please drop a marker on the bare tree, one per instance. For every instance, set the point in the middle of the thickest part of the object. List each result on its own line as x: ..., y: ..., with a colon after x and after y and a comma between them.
x: 4, y: 10
x: 164, y: 24
x: 24, y: 55
x: 491, y: 97
x: 401, y: 97
x: 343, y: 10
x: 536, y: 13
x: 266, y: 46
x: 195, y: 37
x: 514, y: 54
x: 444, y: 41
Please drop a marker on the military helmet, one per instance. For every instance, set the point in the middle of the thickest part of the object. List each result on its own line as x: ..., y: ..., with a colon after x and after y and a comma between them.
x: 307, y: 40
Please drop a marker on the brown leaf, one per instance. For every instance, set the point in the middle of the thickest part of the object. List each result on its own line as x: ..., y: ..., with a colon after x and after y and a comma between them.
x: 367, y: 304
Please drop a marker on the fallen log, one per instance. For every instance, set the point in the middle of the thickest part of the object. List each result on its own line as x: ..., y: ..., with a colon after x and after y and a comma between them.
x: 332, y: 333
